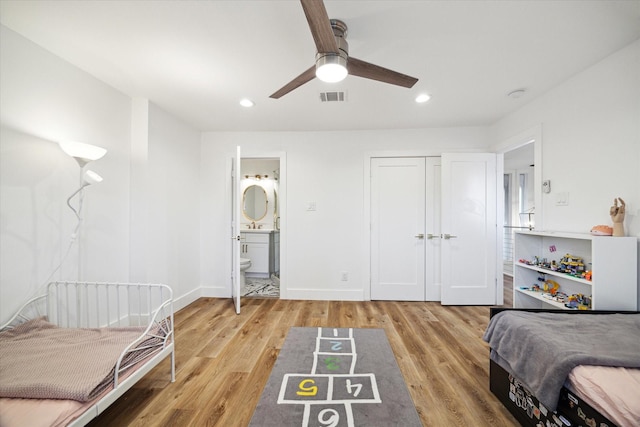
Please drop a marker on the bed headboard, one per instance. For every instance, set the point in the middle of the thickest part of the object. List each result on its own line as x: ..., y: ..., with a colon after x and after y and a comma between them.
x: 98, y: 305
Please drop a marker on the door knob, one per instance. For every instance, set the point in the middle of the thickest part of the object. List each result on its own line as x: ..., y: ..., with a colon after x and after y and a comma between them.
x: 420, y: 236
x: 449, y: 236
x: 433, y: 236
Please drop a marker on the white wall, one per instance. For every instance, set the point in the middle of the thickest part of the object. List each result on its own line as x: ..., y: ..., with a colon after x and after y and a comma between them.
x: 591, y: 149
x: 140, y: 224
x: 44, y: 100
x: 165, y: 197
x: 590, y: 143
x: 173, y: 245
x: 322, y: 167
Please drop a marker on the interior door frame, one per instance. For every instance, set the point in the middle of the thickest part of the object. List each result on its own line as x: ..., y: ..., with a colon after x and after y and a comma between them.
x: 366, y: 208
x: 248, y: 153
x: 235, y: 224
x: 532, y: 135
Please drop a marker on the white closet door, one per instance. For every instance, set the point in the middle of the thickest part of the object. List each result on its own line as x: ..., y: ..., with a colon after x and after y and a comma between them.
x: 469, y: 229
x: 398, y: 229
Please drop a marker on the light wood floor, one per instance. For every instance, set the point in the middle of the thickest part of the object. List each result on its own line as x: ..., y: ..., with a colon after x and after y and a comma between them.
x: 224, y: 360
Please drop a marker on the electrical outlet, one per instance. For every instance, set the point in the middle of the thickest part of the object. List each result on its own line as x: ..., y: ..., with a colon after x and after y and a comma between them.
x: 344, y: 276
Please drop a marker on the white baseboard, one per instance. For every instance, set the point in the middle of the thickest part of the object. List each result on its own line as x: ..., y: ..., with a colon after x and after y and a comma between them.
x: 214, y: 292
x: 293, y: 294
x: 326, y: 294
x: 186, y: 299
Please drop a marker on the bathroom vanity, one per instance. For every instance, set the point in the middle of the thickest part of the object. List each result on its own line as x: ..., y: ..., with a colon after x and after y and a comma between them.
x: 262, y: 248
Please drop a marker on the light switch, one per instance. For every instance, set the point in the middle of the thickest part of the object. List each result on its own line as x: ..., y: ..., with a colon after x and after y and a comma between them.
x: 562, y: 199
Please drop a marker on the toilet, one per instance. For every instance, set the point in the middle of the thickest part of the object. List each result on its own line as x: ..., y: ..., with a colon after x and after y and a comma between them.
x: 244, y: 264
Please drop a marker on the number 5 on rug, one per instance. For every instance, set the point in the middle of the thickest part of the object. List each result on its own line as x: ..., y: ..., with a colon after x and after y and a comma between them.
x: 307, y: 390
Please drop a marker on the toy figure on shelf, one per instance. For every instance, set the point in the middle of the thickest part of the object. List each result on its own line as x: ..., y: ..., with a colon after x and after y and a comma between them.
x: 617, y: 216
x: 572, y: 301
x: 578, y: 301
x: 560, y: 297
x: 571, y: 265
x: 587, y: 275
x: 551, y: 287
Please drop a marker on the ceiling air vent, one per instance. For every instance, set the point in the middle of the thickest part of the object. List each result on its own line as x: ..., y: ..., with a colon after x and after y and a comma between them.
x: 333, y: 96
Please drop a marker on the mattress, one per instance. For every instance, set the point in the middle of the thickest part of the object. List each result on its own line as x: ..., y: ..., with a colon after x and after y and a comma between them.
x: 614, y: 392
x: 41, y: 412
x: 51, y: 412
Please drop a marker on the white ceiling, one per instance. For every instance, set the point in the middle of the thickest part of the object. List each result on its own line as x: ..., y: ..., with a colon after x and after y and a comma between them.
x: 197, y: 59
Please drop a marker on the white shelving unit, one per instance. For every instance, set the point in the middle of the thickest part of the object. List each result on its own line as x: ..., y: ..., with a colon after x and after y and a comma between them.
x: 613, y: 261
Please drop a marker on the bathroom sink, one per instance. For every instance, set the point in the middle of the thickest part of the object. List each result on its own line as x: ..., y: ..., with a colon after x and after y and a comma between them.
x: 257, y: 230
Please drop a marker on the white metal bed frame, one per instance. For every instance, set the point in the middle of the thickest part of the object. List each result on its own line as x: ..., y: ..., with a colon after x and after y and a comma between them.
x: 105, y: 304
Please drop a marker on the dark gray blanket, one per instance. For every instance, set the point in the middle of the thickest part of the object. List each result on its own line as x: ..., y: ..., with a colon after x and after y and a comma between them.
x: 540, y: 349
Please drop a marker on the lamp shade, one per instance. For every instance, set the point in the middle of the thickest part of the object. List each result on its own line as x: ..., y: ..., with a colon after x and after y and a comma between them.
x: 91, y: 177
x: 83, y: 153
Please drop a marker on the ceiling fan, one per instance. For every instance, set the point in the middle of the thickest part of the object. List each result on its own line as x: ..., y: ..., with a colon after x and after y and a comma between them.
x: 333, y: 62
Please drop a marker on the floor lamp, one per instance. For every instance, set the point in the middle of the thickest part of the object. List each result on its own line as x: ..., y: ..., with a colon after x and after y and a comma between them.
x: 83, y: 154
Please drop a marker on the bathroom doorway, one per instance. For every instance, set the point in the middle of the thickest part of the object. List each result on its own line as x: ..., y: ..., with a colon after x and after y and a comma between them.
x: 522, y: 184
x: 261, y: 226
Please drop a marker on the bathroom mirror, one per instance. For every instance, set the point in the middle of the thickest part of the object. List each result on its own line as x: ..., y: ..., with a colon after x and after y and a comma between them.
x: 254, y: 203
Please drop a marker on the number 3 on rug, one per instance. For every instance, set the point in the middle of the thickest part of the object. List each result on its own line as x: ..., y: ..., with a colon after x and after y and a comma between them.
x: 307, y: 390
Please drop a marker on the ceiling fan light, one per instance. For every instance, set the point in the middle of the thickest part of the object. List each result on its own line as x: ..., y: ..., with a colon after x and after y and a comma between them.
x: 331, y: 68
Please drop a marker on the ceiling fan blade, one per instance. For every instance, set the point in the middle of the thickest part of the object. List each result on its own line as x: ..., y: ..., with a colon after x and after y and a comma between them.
x: 364, y: 69
x: 320, y: 26
x: 303, y: 78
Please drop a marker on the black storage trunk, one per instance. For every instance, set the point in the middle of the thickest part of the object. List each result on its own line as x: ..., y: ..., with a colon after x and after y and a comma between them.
x: 523, y: 405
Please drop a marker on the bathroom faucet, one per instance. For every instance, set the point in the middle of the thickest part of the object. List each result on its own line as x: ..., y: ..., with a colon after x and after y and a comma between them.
x: 253, y: 225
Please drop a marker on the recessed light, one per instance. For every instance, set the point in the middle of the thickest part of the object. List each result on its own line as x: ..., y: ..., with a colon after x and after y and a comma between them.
x: 422, y: 98
x: 246, y: 102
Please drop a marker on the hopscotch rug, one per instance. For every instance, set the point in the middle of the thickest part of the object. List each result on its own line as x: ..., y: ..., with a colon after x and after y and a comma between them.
x: 337, y: 377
